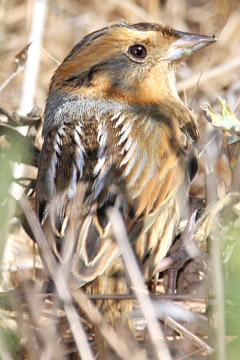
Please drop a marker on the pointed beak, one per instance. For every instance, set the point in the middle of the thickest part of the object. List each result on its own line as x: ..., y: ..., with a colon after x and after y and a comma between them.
x: 186, y: 43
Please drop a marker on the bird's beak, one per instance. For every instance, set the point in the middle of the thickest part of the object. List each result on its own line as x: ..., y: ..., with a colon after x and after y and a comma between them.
x: 186, y: 43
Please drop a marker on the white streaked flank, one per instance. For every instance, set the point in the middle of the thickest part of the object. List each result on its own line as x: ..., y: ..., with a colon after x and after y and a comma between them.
x: 140, y: 167
x: 130, y: 164
x: 127, y: 130
x: 129, y: 153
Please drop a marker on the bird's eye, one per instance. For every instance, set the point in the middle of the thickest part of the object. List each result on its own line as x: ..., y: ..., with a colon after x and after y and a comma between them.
x: 138, y: 51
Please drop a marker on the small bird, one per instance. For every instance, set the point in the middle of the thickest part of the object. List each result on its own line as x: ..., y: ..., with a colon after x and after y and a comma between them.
x: 116, y: 134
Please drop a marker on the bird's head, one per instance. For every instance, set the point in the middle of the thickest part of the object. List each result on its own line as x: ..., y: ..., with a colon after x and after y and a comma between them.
x: 132, y: 63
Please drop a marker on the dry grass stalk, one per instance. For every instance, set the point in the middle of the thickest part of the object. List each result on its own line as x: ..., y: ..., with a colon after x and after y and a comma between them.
x: 138, y: 285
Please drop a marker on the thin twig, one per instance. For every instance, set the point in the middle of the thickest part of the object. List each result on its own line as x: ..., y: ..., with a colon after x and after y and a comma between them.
x: 50, y: 56
x: 175, y: 297
x: 5, y: 303
x: 210, y: 74
x: 10, y: 78
x: 189, y: 335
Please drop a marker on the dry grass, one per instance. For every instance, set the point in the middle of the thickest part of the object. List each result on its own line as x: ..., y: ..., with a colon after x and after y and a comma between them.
x: 201, y: 320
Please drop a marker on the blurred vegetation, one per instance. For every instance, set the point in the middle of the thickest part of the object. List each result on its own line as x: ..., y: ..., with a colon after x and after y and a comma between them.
x: 210, y: 74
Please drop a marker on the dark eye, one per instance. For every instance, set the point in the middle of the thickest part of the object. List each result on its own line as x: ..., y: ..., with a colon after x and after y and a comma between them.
x: 138, y: 51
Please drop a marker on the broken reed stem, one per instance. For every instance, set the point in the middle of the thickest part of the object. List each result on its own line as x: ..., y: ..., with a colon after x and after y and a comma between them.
x: 30, y: 78
x: 33, y: 62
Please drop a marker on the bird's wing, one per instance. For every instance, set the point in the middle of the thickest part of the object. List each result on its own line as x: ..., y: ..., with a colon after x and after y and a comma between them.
x: 74, y: 188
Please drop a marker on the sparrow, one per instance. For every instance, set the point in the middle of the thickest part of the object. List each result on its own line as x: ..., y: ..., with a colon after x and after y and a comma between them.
x: 116, y: 134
